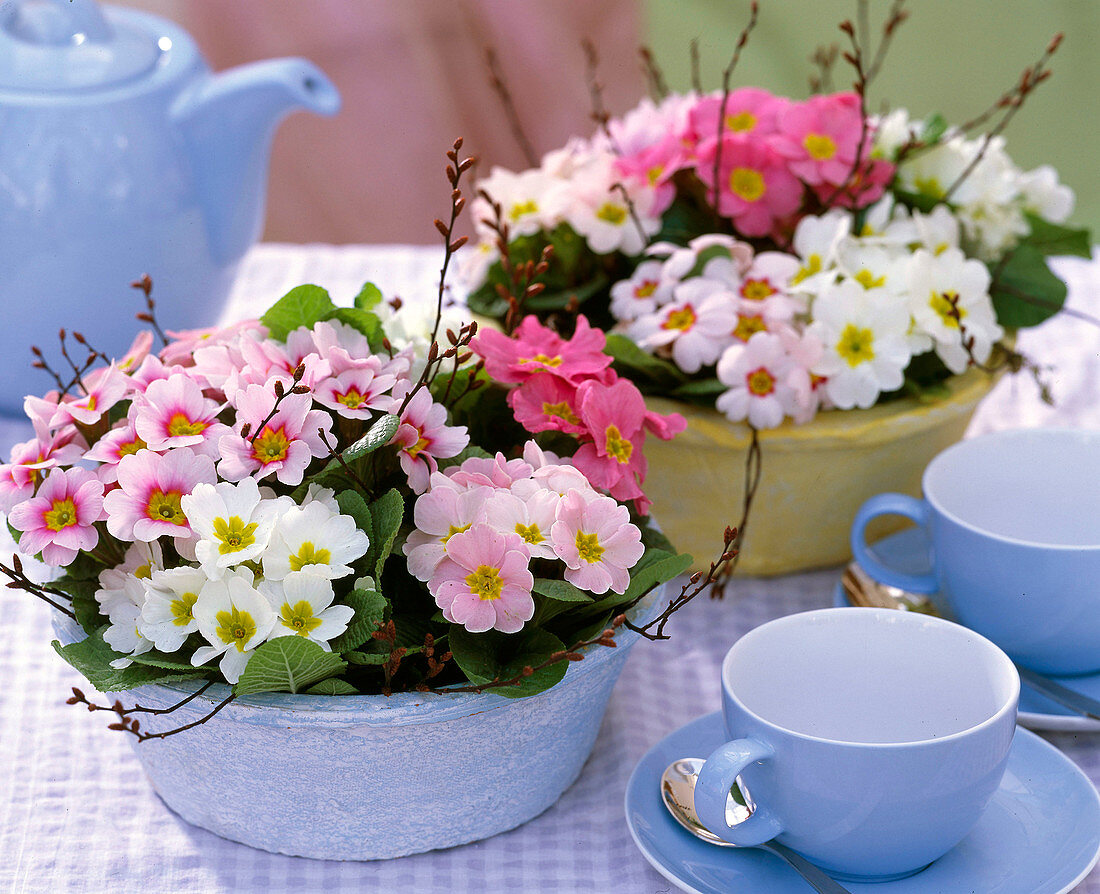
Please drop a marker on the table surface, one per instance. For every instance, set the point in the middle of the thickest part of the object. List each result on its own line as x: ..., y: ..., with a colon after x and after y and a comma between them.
x: 76, y: 813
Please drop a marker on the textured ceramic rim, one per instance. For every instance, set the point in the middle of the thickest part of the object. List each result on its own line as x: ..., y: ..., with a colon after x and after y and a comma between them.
x: 895, y: 617
x: 1008, y: 435
x: 399, y: 709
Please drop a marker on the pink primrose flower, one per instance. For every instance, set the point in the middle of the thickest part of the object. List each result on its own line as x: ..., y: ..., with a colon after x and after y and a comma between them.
x: 357, y: 391
x: 483, y: 582
x: 173, y: 413
x: 146, y: 504
x: 184, y: 342
x: 283, y: 447
x: 694, y: 329
x: 546, y: 403
x: 32, y: 459
x: 60, y: 520
x: 108, y: 389
x: 531, y: 517
x: 424, y: 437
x: 153, y: 369
x: 655, y: 165
x: 492, y: 471
x: 756, y: 189
x: 762, y: 382
x: 614, y: 416
x: 108, y: 451
x: 536, y: 348
x: 439, y: 514
x: 749, y: 110
x: 597, y: 542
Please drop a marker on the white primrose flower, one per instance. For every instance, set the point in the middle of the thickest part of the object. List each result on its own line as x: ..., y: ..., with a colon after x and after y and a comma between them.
x: 599, y: 212
x: 765, y: 383
x: 694, y: 329
x: 124, y: 614
x: 815, y: 242
x: 168, y: 617
x: 326, y: 496
x: 141, y: 560
x: 936, y: 231
x: 316, y: 539
x: 530, y: 200
x: 873, y: 266
x: 947, y: 290
x: 233, y: 523
x: 864, y: 334
x: 235, y: 618
x: 302, y: 602
x: 648, y: 288
x: 1045, y: 196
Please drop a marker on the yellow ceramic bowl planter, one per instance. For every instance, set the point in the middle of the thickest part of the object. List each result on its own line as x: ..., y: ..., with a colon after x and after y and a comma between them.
x: 814, y: 476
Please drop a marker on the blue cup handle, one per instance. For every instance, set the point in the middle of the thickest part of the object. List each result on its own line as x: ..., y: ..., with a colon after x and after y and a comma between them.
x: 891, y: 504
x: 712, y: 788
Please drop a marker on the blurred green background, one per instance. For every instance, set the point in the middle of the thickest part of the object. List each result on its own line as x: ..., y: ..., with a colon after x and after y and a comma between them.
x: 955, y: 57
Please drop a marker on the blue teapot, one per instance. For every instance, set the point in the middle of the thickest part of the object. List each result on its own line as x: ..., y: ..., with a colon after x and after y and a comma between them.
x: 122, y: 154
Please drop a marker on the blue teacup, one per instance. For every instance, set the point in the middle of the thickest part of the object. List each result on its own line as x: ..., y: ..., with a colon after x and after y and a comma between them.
x: 868, y: 740
x: 1013, y: 520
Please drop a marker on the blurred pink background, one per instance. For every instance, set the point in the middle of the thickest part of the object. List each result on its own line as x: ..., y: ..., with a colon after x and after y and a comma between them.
x: 413, y: 76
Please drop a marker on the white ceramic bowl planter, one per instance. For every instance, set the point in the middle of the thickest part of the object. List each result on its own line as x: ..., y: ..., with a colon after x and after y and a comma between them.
x: 366, y: 777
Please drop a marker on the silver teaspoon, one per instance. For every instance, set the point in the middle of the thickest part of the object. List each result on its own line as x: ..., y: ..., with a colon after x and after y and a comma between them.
x: 678, y: 794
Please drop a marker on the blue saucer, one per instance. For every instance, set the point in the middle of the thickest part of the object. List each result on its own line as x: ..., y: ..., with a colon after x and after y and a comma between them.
x: 908, y: 551
x: 1039, y: 835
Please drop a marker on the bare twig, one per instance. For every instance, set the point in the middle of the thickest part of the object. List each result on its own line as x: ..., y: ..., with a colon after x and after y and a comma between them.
x: 128, y: 724
x: 19, y: 581
x: 145, y: 284
x: 500, y: 87
x: 599, y: 112
x: 655, y: 78
x: 281, y: 392
x: 455, y: 169
x: 727, y: 77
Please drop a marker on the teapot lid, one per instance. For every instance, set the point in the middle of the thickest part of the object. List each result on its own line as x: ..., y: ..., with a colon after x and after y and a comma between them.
x: 63, y: 45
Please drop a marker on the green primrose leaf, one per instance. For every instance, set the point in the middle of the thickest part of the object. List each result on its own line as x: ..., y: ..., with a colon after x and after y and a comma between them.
x: 333, y: 686
x: 484, y: 657
x: 93, y: 657
x: 369, y: 296
x: 935, y: 125
x: 1024, y: 290
x: 287, y: 664
x: 1054, y: 239
x: 378, y: 435
x: 301, y: 306
x: 560, y: 590
x: 386, y: 513
x: 352, y: 503
x: 370, y: 609
x: 634, y: 362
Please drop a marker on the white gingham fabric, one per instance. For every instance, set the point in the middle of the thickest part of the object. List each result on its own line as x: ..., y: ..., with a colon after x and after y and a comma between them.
x: 77, y: 815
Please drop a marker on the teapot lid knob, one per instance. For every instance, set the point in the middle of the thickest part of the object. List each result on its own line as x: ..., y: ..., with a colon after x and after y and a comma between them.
x: 62, y: 45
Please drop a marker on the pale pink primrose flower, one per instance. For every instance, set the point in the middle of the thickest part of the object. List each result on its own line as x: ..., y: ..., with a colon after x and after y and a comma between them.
x: 185, y: 342
x: 757, y: 376
x: 649, y: 287
x: 597, y: 542
x: 31, y: 460
x: 608, y: 220
x: 438, y: 515
x: 531, y: 518
x: 59, y: 521
x: 654, y: 166
x: 147, y: 503
x: 108, y: 451
x: 424, y: 437
x: 357, y: 392
x: 483, y: 582
x: 109, y: 388
x: 283, y: 447
x: 174, y: 413
x: 694, y: 329
x: 495, y: 471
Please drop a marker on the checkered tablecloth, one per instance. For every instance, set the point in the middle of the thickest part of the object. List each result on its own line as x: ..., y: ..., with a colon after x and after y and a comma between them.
x: 76, y: 814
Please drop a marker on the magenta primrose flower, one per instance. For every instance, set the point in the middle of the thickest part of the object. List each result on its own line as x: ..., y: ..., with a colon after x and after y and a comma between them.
x: 597, y: 542
x: 146, y: 504
x: 820, y: 137
x: 535, y: 348
x: 483, y: 582
x: 748, y: 110
x: 546, y: 402
x: 283, y: 447
x: 59, y: 521
x: 756, y: 188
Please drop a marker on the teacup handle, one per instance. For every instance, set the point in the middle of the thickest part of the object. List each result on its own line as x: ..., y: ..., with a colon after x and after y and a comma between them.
x: 712, y: 788
x: 891, y: 504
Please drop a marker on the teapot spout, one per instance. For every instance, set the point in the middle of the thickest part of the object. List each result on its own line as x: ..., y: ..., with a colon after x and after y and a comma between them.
x: 227, y: 121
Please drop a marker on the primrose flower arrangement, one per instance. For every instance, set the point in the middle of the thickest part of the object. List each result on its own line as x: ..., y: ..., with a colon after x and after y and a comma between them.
x: 771, y: 258
x: 300, y: 504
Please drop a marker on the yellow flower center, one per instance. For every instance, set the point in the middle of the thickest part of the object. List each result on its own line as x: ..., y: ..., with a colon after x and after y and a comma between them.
x: 618, y: 446
x: 144, y: 572
x: 183, y: 609
x: 132, y: 447
x: 561, y: 411
x: 308, y: 554
x: 530, y: 533
x: 421, y: 444
x: 270, y: 446
x: 868, y: 280
x: 166, y: 507
x: 747, y: 183
x: 820, y: 147
x: 682, y: 319
x: 646, y: 289
x: 747, y: 326
x: 588, y: 546
x: 235, y: 627
x: 554, y: 362
x: 179, y: 425
x: 757, y: 289
x: 452, y: 530
x: 856, y: 345
x: 760, y: 382
x: 611, y: 213
x: 351, y: 399
x: 485, y: 583
x: 234, y: 534
x: 523, y: 208
x: 62, y: 514
x: 946, y: 305
x: 742, y: 122
x: 929, y: 186
x: 812, y: 266
x: 299, y: 618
